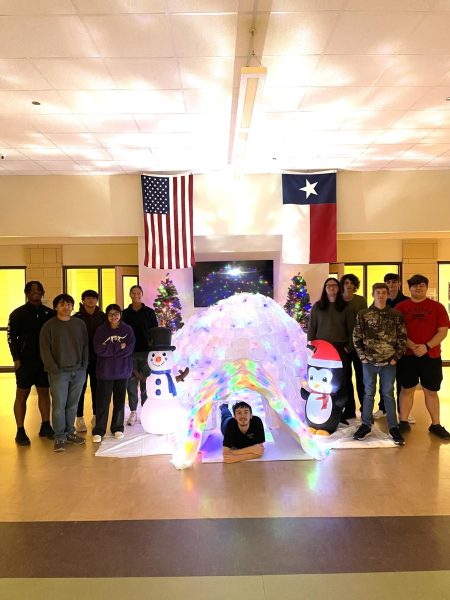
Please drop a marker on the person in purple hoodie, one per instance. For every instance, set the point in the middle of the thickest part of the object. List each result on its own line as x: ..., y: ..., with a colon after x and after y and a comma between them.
x: 113, y: 344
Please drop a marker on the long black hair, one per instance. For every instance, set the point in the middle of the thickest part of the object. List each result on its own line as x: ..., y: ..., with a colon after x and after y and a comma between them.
x: 324, y: 303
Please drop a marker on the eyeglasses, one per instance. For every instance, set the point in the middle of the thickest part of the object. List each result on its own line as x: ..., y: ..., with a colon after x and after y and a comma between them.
x: 419, y: 285
x: 113, y: 314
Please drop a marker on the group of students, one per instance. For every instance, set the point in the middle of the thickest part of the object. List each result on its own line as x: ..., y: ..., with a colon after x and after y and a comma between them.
x: 53, y: 350
x: 397, y: 338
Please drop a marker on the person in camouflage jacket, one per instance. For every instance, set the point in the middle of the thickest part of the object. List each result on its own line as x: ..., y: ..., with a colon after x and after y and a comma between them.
x: 380, y: 339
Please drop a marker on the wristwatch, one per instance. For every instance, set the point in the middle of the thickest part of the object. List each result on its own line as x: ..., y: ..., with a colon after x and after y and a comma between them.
x: 427, y: 347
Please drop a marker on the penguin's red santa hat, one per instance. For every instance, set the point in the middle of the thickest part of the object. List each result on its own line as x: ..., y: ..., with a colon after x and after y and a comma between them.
x: 324, y: 355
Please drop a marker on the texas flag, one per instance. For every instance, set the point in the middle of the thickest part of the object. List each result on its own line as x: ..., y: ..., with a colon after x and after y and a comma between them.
x: 309, y: 218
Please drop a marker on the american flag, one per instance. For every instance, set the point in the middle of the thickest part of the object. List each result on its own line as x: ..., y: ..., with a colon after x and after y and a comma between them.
x: 168, y: 221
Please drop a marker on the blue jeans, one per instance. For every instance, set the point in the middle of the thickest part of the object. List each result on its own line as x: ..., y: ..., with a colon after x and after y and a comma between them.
x: 225, y: 419
x: 387, y: 379
x: 65, y: 388
x: 139, y: 364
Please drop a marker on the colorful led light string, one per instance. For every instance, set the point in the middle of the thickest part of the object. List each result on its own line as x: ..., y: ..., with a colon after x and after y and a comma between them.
x: 226, y: 381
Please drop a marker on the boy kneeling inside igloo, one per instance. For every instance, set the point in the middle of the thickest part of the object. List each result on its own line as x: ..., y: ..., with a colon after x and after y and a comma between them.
x: 243, y: 433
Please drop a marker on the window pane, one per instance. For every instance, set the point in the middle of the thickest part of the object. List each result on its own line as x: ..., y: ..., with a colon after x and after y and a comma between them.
x: 108, y: 287
x: 357, y: 270
x: 5, y: 355
x: 12, y: 282
x: 79, y: 280
x: 375, y: 274
x: 444, y: 298
x: 127, y: 282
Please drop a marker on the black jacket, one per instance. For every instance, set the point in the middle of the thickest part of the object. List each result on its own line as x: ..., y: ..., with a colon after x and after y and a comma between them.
x: 92, y: 322
x: 142, y: 321
x: 24, y: 326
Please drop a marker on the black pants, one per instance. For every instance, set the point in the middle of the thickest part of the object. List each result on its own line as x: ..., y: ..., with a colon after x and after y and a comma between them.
x: 105, y: 388
x: 341, y: 394
x: 90, y: 371
x: 353, y: 359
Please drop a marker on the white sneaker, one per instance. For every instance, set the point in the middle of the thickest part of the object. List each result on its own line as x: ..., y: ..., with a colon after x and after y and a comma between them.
x: 97, y: 439
x: 132, y: 418
x: 119, y: 435
x: 93, y: 421
x: 379, y: 414
x: 411, y: 419
x: 80, y: 425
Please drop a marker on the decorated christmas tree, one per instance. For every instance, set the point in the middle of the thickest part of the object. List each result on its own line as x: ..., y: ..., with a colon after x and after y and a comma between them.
x: 167, y: 305
x: 298, y: 303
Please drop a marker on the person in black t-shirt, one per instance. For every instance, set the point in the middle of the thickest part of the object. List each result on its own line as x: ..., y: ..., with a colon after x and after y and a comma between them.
x: 243, y: 434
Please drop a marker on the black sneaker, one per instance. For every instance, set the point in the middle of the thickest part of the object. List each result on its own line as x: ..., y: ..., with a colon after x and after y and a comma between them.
x: 399, y: 440
x: 404, y: 427
x: 72, y: 438
x: 440, y: 431
x: 363, y: 431
x: 21, y: 437
x: 46, y: 430
x: 59, y: 446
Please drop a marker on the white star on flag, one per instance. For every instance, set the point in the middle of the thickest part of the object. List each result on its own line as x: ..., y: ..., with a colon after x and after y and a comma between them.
x: 310, y: 188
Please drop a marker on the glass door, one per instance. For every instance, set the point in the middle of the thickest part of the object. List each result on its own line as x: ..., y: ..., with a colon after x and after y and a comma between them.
x: 444, y: 298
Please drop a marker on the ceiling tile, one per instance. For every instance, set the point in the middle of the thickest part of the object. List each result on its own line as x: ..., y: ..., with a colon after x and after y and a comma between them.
x: 123, y: 36
x: 299, y: 33
x: 206, y: 72
x: 75, y: 74
x: 433, y: 98
x: 341, y: 99
x: 21, y: 74
x: 73, y: 140
x: 392, y: 98
x: 372, y: 32
x: 25, y: 139
x: 402, y: 136
x: 180, y: 122
x: 204, y: 35
x: 57, y: 123
x: 295, y: 71
x: 415, y: 70
x: 144, y: 73
x: 37, y: 7
x: 21, y: 103
x: 124, y: 101
x: 96, y: 7
x: 345, y: 70
x: 109, y: 123
x: 35, y: 37
x: 430, y: 37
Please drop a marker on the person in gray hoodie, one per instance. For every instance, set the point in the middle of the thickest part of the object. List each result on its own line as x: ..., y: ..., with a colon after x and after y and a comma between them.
x: 64, y: 348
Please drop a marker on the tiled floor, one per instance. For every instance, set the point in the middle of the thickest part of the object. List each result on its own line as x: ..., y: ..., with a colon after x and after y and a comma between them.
x: 80, y: 544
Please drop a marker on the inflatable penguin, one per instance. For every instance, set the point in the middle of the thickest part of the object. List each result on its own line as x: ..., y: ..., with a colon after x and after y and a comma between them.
x: 323, y: 406
x: 162, y: 412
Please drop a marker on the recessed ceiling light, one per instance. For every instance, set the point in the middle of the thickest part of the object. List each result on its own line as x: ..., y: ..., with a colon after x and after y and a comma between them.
x: 36, y: 103
x: 448, y: 98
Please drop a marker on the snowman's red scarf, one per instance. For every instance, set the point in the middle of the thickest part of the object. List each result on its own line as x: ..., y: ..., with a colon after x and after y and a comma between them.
x: 172, y: 387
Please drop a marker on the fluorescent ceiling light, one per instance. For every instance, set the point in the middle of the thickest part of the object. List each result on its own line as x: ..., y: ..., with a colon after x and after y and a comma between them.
x: 250, y: 92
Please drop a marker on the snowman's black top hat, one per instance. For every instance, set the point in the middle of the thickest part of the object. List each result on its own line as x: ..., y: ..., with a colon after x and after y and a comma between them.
x: 161, y: 339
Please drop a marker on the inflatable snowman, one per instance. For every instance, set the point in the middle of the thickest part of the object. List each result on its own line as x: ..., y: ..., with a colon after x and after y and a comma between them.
x: 323, y: 404
x: 162, y: 413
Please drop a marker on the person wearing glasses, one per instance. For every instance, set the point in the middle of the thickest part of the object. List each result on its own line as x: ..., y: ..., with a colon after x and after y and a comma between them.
x: 332, y: 321
x: 427, y: 326
x: 113, y: 344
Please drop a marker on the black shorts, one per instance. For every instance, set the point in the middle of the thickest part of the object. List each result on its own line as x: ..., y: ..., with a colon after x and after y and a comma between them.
x: 31, y: 372
x: 412, y: 369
